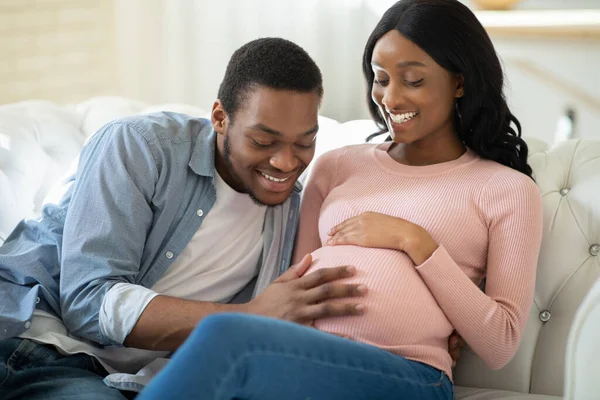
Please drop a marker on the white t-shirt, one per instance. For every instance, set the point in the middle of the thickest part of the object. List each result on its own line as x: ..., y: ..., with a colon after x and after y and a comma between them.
x: 222, y: 257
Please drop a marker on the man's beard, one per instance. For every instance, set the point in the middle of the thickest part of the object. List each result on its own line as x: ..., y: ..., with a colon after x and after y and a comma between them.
x: 234, y: 175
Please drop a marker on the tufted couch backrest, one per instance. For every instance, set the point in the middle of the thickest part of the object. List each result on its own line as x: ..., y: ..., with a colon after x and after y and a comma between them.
x: 568, y: 176
x: 39, y: 141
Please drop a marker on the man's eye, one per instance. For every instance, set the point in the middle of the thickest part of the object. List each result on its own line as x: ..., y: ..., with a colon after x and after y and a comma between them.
x: 307, y: 146
x: 262, y: 145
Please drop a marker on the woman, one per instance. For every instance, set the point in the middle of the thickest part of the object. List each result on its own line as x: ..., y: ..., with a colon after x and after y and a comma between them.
x: 424, y: 218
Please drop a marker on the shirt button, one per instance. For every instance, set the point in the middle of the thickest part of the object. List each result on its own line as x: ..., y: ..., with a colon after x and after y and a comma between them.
x: 169, y: 254
x: 564, y: 191
x: 595, y: 249
x: 200, y: 212
x: 37, y: 300
x: 27, y: 324
x: 545, y: 316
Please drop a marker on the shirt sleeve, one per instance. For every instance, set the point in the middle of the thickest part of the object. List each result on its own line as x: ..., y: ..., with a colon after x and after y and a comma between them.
x: 321, y: 180
x: 492, y: 323
x: 106, y: 226
x: 121, y: 308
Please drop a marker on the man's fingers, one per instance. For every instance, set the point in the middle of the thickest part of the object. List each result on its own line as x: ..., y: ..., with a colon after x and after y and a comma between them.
x: 296, y: 270
x: 455, y: 354
x: 325, y: 275
x: 333, y: 290
x: 330, y: 309
x: 453, y: 342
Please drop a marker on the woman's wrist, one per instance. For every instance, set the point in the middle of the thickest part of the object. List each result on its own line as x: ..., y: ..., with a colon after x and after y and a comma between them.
x: 419, y: 246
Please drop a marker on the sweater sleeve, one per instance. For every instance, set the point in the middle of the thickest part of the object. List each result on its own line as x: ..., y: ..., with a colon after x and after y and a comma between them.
x: 320, y: 181
x: 492, y: 323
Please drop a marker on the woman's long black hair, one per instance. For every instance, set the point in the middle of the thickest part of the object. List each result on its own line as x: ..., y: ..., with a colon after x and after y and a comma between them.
x: 451, y: 34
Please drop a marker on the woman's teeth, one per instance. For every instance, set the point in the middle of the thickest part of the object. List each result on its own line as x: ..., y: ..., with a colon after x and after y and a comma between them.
x: 271, y: 178
x: 401, y: 118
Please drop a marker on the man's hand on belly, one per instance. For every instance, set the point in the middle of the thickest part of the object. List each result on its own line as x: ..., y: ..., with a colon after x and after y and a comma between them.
x: 304, y: 298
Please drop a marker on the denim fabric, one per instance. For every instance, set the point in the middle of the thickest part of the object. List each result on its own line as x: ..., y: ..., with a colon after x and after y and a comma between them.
x: 129, y: 210
x: 38, y: 372
x: 235, y: 356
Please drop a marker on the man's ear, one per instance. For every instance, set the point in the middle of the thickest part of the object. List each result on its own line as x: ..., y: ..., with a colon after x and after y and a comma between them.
x: 218, y: 118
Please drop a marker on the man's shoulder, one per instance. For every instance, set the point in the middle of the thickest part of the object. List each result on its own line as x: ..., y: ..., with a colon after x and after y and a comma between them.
x: 163, y: 127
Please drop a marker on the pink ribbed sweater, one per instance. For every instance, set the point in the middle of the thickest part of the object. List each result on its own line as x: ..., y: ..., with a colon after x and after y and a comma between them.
x: 487, y: 220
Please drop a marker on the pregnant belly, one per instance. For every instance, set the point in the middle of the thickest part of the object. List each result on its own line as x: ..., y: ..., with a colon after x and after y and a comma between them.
x: 399, y: 308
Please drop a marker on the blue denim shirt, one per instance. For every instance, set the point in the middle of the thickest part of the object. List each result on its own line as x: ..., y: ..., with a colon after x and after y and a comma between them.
x: 129, y: 210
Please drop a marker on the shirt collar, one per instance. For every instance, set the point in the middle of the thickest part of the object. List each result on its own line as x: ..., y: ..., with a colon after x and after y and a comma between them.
x: 202, y: 161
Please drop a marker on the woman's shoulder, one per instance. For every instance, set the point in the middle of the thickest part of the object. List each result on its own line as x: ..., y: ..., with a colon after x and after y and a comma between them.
x: 505, y: 184
x: 501, y: 175
x: 349, y: 153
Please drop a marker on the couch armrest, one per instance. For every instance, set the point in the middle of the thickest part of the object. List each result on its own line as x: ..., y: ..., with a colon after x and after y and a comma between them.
x: 583, y: 350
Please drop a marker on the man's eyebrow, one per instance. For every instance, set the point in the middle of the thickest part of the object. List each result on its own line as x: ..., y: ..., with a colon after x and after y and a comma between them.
x: 270, y: 131
x: 264, y: 128
x: 315, y: 129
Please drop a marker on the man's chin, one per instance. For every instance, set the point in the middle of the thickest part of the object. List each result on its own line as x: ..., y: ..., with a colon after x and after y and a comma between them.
x: 270, y: 199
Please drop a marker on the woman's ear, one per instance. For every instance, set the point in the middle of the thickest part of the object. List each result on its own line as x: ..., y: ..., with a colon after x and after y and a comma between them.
x: 460, y: 86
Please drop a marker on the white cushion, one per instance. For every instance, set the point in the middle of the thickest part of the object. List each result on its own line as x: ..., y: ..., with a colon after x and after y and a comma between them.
x: 39, y: 140
x: 464, y: 393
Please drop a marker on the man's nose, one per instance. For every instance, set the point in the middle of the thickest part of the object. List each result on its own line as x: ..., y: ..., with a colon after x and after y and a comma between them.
x: 284, y: 160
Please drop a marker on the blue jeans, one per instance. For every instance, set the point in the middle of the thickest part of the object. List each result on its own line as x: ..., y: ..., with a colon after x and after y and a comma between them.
x: 33, y: 371
x: 237, y: 356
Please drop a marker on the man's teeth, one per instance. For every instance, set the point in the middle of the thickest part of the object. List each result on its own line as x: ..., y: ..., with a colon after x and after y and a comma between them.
x: 400, y: 118
x: 271, y: 178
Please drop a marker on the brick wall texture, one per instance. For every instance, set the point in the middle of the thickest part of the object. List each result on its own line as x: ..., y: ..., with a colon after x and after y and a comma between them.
x: 58, y: 50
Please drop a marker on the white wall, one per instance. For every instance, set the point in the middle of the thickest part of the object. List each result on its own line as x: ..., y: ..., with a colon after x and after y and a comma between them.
x: 177, y: 50
x: 549, y: 4
x: 547, y: 76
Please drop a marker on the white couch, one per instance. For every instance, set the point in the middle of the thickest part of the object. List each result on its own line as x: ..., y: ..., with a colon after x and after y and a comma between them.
x: 39, y: 141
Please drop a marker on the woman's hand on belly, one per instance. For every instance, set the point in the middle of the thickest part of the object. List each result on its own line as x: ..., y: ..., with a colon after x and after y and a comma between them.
x: 371, y: 229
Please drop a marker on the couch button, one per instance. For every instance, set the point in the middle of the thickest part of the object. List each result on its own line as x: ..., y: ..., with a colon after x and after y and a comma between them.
x: 595, y: 249
x: 169, y: 254
x: 545, y: 316
x: 564, y: 191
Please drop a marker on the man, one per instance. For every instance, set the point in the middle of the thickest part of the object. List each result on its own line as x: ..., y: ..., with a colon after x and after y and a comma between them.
x: 169, y: 218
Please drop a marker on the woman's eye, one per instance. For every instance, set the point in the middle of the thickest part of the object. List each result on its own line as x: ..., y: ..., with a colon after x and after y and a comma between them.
x: 381, y: 82
x: 414, y: 83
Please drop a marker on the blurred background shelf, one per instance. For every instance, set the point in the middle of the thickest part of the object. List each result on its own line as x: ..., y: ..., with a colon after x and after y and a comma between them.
x: 575, y: 24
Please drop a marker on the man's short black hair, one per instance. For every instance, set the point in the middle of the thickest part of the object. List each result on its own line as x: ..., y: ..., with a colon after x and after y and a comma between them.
x: 271, y: 62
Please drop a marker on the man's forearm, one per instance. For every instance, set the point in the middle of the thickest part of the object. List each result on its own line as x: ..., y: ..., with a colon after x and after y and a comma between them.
x: 167, y: 322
